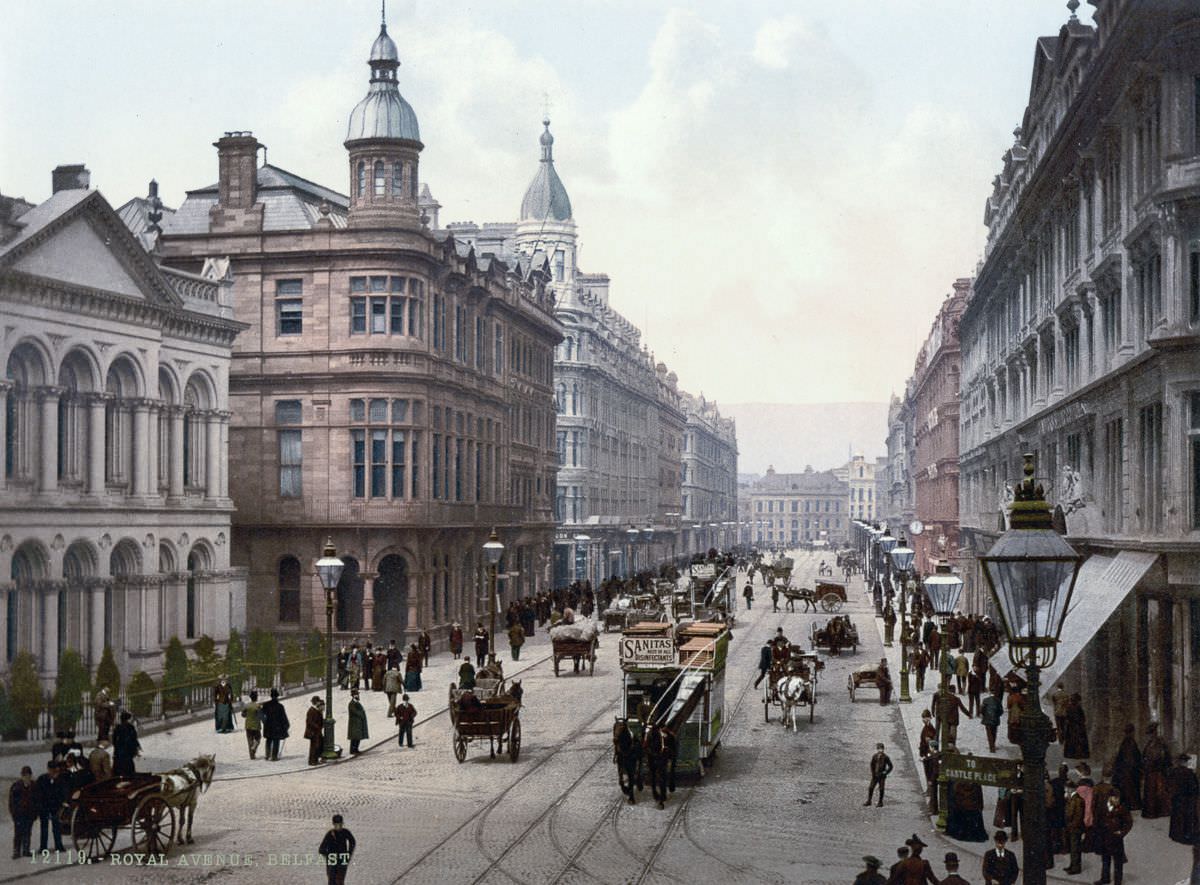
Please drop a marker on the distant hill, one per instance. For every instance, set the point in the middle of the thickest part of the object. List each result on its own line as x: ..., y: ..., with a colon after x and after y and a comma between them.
x: 790, y: 436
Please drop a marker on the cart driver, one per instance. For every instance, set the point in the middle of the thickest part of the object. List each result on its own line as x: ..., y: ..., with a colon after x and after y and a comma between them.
x: 780, y: 647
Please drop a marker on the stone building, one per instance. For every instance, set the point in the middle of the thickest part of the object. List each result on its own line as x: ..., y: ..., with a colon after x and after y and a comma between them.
x: 788, y: 509
x: 1079, y: 345
x: 709, y: 492
x: 896, y: 507
x: 392, y: 393
x: 859, y: 475
x: 114, y: 494
x: 934, y: 407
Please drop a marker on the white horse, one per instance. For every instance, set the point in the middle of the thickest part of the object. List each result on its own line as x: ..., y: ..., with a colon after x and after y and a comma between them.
x: 181, y: 788
x: 794, y: 692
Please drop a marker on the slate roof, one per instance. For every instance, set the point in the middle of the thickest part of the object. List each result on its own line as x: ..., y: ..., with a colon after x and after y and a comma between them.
x: 290, y: 202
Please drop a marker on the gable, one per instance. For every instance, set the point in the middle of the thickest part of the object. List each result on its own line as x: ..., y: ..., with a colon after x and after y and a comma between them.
x: 77, y: 254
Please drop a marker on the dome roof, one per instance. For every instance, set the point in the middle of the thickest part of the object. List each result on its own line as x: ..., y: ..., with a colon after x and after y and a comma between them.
x: 383, y: 113
x: 384, y: 48
x: 546, y: 198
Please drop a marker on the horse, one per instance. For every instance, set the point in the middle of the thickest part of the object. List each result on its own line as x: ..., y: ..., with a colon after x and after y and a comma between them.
x: 181, y: 788
x: 804, y: 594
x: 794, y: 692
x: 627, y: 754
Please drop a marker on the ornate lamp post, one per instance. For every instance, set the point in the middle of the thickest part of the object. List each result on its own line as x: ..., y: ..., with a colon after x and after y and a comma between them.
x: 902, y: 558
x: 943, y: 589
x: 1031, y: 574
x: 631, y: 535
x: 873, y: 560
x: 492, y: 551
x: 329, y: 570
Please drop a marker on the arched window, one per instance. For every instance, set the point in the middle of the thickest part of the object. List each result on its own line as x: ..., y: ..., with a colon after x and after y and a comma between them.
x: 194, y: 438
x: 362, y: 178
x: 397, y: 179
x: 190, y: 615
x: 560, y: 398
x: 412, y: 181
x: 575, y: 408
x: 380, y: 179
x: 289, y: 590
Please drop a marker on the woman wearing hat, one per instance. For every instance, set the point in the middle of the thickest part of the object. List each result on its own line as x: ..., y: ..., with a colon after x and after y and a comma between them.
x: 1185, y: 788
x: 914, y: 869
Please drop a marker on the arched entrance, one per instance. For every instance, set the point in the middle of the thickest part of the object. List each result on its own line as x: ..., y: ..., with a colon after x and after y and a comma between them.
x: 350, y: 598
x: 391, y: 599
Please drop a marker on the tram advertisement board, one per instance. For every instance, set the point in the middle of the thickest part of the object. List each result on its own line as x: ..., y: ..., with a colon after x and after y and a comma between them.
x: 647, y: 651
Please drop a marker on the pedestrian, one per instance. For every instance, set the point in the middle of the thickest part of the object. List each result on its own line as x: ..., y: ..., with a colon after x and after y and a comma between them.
x: 223, y: 706
x: 275, y: 725
x: 378, y: 670
x: 974, y: 691
x: 952, y: 877
x: 1185, y: 789
x: 105, y: 712
x: 466, y: 675
x: 881, y: 767
x: 1000, y: 865
x: 367, y: 660
x: 964, y: 811
x: 1056, y: 812
x: 425, y: 643
x: 1015, y: 704
x: 516, y: 638
x: 354, y: 668
x: 1075, y: 745
x: 1059, y: 698
x: 125, y: 746
x: 356, y: 723
x: 871, y: 875
x: 914, y: 869
x: 883, y: 681
x: 1127, y: 770
x: 343, y: 671
x: 657, y: 753
x: 406, y: 715
x: 49, y: 793
x: 1114, y: 822
x: 748, y: 593
x: 22, y: 806
x: 920, y: 662
x: 412, y: 669
x: 393, y: 684
x: 927, y: 736
x: 1075, y: 820
x: 337, y: 848
x: 314, y: 729
x: 902, y: 855
x: 252, y: 720
x: 456, y: 640
x: 1156, y: 760
x: 393, y: 655
x: 962, y: 668
x: 889, y: 624
x: 481, y: 643
x: 990, y: 713
x: 764, y: 661
x: 774, y: 597
x: 100, y: 762
x: 58, y: 749
x: 948, y: 706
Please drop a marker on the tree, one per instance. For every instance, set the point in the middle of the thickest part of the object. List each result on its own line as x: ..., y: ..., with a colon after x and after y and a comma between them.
x: 208, y: 665
x: 8, y: 722
x: 140, y: 694
x: 235, y: 664
x: 316, y: 655
x: 262, y: 657
x: 175, y: 675
x: 293, y: 661
x: 73, y: 680
x: 107, y: 674
x: 25, y: 692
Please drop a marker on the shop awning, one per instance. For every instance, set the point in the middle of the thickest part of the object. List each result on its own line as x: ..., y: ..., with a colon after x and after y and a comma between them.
x: 1103, y: 584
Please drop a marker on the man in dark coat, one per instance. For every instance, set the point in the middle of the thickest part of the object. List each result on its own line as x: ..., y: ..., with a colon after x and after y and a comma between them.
x: 881, y: 767
x: 106, y: 714
x: 914, y: 869
x: 481, y: 643
x: 406, y: 715
x: 49, y: 793
x: 1114, y: 823
x: 356, y: 723
x: 314, y: 730
x: 275, y: 725
x: 1156, y: 761
x: 947, y: 706
x: 125, y: 746
x: 393, y: 655
x: 337, y: 847
x: 658, y: 754
x: 991, y: 711
x: 999, y: 864
x: 952, y: 877
x: 1127, y: 770
x: 1185, y: 789
x: 764, y: 661
x: 22, y: 805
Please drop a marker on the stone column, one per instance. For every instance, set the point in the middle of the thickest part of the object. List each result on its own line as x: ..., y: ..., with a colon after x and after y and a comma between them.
x: 1174, y: 263
x: 5, y: 589
x: 6, y: 390
x: 96, y: 623
x: 212, y: 455
x: 152, y: 443
x: 175, y: 481
x: 141, y: 441
x: 48, y: 409
x: 48, y: 654
x: 224, y: 453
x: 95, y: 449
x: 368, y: 601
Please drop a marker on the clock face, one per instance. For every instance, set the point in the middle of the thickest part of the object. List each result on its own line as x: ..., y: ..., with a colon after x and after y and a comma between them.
x: 916, y: 527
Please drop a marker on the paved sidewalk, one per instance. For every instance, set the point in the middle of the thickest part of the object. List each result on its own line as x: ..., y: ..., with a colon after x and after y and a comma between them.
x: 1153, y: 858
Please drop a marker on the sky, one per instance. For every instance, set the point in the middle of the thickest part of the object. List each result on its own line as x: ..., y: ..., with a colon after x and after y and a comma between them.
x: 782, y: 192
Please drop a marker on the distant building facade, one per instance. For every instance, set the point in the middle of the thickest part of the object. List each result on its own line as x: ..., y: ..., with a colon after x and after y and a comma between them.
x: 859, y: 475
x: 897, y: 508
x: 1079, y: 345
x: 394, y: 390
x: 787, y: 509
x: 114, y: 494
x: 709, y: 490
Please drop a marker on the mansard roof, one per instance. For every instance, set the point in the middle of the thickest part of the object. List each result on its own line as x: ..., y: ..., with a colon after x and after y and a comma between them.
x: 290, y: 202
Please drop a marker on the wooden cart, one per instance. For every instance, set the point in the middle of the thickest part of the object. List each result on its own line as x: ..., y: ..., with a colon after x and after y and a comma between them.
x: 868, y: 674
x: 580, y: 651
x: 497, y: 718
x: 831, y: 595
x: 94, y: 813
x: 819, y: 636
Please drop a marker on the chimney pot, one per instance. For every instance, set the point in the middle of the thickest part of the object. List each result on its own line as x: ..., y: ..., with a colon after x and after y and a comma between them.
x: 69, y: 178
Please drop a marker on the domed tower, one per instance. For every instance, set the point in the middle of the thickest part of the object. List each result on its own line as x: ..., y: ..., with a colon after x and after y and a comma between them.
x: 546, y: 223
x: 384, y: 142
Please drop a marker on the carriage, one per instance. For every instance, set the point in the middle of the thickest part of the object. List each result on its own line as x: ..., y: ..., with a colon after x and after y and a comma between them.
x: 867, y: 674
x: 625, y: 611
x: 145, y: 803
x: 831, y: 595
x: 821, y: 637
x: 581, y: 651
x: 778, y: 691
x: 497, y: 718
x: 781, y: 569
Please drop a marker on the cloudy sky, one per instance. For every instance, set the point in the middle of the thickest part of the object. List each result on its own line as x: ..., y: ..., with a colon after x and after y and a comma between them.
x: 782, y: 192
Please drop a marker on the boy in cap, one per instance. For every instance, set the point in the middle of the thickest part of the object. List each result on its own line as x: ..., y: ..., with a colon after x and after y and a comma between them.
x: 881, y: 767
x: 870, y: 876
x: 336, y: 848
x: 952, y: 877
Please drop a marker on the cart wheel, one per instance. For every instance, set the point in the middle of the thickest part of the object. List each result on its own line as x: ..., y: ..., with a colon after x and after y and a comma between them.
x: 92, y: 842
x: 460, y: 747
x: 830, y: 602
x: 152, y: 826
x: 514, y: 740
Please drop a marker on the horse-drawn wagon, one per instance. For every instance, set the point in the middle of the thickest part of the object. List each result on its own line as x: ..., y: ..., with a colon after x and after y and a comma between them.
x: 791, y: 684
x: 869, y: 674
x: 145, y: 803
x: 831, y: 595
x: 839, y: 632
x: 489, y: 710
x: 577, y: 641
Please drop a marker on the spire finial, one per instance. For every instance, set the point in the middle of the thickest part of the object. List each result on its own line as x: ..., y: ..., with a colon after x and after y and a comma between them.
x: 1072, y: 5
x: 383, y: 14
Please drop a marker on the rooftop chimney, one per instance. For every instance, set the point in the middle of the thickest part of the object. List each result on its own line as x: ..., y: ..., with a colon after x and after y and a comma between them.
x: 237, y: 158
x: 70, y: 178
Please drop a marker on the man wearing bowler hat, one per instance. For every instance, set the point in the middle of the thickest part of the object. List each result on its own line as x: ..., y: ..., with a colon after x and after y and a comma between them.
x: 1000, y: 864
x: 336, y: 848
x: 871, y: 875
x: 952, y: 877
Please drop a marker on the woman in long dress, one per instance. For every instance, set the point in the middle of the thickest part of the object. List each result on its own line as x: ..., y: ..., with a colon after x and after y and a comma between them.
x: 412, y: 672
x: 1156, y: 756
x: 1075, y: 741
x: 964, y: 814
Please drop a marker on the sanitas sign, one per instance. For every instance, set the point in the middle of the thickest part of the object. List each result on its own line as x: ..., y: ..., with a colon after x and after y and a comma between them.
x: 647, y: 651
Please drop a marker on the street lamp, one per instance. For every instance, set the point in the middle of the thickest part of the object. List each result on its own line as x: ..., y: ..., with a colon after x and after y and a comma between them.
x: 943, y: 588
x: 329, y: 570
x: 873, y: 559
x: 902, y: 558
x: 631, y: 534
x: 492, y: 551
x: 1031, y: 574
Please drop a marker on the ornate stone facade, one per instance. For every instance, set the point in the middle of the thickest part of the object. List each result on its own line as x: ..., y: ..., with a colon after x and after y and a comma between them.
x: 114, y: 493
x: 789, y: 509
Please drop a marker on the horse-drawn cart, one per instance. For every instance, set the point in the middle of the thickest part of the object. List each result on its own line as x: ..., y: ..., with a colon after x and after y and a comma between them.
x: 581, y: 651
x: 868, y: 674
x: 831, y: 595
x: 487, y: 711
x: 145, y: 803
x: 839, y: 632
x: 791, y: 683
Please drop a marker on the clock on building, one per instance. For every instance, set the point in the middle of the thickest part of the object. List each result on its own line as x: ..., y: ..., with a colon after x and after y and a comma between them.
x: 916, y: 527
